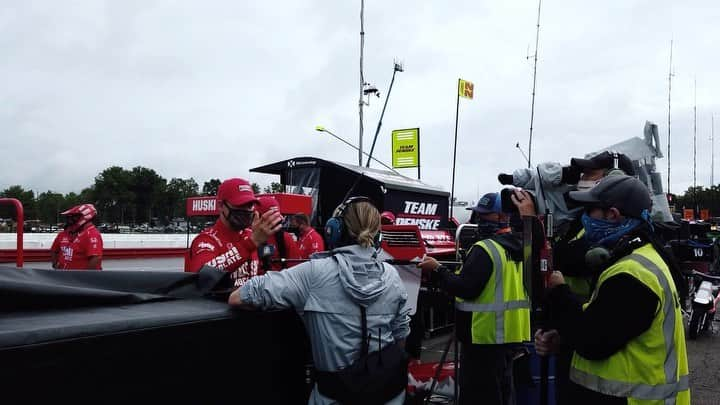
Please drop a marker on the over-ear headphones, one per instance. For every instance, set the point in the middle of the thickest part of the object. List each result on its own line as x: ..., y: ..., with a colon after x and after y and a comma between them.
x: 335, y: 226
x: 615, y: 170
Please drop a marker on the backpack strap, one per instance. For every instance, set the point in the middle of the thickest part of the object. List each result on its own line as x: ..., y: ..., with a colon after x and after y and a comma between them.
x: 365, y: 343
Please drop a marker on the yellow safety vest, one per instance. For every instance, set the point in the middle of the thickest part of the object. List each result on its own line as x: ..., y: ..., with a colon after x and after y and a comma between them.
x: 652, y: 369
x: 501, y: 313
x: 580, y: 286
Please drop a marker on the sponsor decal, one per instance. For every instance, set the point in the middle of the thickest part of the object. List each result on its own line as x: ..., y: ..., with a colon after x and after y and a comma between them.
x: 424, y: 215
x: 293, y: 163
x: 202, y: 205
x: 206, y: 246
x: 67, y: 253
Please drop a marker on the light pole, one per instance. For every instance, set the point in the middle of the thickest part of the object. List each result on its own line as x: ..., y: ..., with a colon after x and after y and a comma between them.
x: 397, y: 67
x: 320, y: 128
x: 517, y: 145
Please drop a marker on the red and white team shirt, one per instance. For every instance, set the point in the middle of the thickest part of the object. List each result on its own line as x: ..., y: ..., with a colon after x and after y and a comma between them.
x: 74, y: 250
x: 226, y: 249
x: 310, y: 242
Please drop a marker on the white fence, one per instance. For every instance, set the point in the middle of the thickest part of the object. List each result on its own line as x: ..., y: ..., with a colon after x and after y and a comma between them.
x: 110, y: 240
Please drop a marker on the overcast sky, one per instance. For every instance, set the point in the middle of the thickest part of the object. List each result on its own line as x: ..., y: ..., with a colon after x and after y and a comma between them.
x: 209, y: 89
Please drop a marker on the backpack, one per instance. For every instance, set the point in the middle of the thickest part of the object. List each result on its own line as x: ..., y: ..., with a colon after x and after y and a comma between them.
x: 374, y: 378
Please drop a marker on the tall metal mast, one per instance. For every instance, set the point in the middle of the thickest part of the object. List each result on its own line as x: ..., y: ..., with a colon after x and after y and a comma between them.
x: 361, y: 102
x: 670, y: 75
x: 532, y: 105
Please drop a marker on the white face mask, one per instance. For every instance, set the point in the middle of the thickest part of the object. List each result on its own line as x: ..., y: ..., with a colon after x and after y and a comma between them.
x: 585, y: 185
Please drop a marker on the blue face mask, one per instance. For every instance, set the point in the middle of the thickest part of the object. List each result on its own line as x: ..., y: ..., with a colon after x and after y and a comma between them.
x: 604, y: 232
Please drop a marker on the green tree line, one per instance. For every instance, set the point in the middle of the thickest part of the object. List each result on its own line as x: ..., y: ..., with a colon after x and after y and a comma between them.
x: 699, y: 198
x: 121, y: 196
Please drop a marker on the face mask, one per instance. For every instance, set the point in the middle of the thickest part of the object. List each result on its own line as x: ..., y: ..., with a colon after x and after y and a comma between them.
x: 604, y: 232
x: 239, y: 219
x: 70, y: 221
x: 294, y: 230
x: 585, y: 185
x: 489, y: 228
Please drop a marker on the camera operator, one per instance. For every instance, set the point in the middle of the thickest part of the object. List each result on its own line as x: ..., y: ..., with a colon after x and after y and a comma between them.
x: 492, y: 306
x: 628, y: 340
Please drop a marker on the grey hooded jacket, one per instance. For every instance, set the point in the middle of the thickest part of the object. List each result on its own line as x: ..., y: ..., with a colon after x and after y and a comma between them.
x: 328, y: 293
x: 554, y: 191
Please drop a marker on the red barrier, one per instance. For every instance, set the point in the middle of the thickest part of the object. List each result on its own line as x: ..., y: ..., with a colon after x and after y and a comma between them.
x: 20, y: 228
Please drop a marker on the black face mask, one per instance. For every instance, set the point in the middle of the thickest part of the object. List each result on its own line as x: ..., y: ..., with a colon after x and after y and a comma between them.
x: 294, y: 230
x: 485, y: 229
x: 70, y: 221
x: 239, y: 219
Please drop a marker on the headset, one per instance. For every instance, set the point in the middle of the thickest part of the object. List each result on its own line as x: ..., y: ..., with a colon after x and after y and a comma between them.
x: 335, y: 231
x: 615, y: 170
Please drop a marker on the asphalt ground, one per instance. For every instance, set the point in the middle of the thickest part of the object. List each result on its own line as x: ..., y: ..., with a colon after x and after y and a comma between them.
x: 703, y: 359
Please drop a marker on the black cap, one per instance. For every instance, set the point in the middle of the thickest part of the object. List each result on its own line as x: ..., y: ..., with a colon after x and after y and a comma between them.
x: 628, y: 194
x: 606, y: 160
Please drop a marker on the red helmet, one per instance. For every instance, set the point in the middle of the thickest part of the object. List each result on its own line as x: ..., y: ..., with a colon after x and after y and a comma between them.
x: 86, y: 212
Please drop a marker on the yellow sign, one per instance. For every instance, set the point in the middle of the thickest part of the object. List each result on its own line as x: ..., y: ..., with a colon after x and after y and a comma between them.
x: 465, y: 89
x: 406, y: 148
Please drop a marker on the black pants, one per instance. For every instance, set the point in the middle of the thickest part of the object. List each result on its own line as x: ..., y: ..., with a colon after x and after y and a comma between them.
x: 485, y: 375
x: 562, y: 376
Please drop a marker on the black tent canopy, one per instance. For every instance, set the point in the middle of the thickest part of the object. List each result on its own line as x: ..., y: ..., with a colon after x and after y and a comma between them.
x: 330, y: 182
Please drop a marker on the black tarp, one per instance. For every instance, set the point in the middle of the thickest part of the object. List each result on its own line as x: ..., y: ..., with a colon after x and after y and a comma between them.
x: 113, y: 336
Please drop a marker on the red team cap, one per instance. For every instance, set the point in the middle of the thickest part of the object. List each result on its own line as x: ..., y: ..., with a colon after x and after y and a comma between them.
x: 265, y: 203
x: 236, y: 192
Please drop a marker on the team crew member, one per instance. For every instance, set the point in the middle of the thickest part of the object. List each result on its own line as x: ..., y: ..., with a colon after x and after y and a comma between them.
x: 628, y: 340
x: 492, y: 306
x: 79, y: 246
x: 309, y: 240
x: 231, y: 244
x: 387, y: 218
x: 279, y: 245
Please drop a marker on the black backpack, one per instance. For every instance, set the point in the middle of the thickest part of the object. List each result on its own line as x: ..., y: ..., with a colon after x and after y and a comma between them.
x: 374, y: 378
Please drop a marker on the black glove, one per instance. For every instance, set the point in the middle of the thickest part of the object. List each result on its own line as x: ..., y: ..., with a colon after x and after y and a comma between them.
x: 506, y: 179
x: 571, y: 174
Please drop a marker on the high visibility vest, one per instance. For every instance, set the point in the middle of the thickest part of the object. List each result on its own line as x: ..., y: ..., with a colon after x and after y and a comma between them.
x: 501, y: 313
x: 580, y: 286
x: 652, y: 369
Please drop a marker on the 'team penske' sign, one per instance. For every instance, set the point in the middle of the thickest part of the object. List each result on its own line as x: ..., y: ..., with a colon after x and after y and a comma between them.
x: 422, y: 214
x: 197, y: 206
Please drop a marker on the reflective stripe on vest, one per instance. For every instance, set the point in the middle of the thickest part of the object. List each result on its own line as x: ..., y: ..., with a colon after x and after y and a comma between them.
x: 673, y: 384
x: 626, y: 389
x: 499, y: 306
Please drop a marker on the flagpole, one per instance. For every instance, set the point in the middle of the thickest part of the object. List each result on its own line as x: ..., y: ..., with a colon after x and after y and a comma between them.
x: 457, y: 112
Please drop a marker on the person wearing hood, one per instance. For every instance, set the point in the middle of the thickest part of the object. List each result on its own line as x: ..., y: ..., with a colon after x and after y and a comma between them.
x: 492, y: 308
x: 79, y: 246
x: 552, y: 182
x: 628, y: 340
x: 330, y: 294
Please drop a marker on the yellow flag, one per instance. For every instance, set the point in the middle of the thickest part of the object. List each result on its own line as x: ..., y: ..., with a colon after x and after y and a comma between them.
x: 465, y: 89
